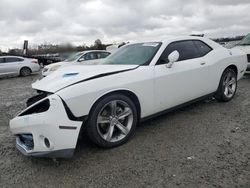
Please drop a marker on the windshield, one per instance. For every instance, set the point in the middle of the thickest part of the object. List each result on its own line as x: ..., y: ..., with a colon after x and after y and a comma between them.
x: 134, y: 54
x: 74, y: 57
x: 245, y: 41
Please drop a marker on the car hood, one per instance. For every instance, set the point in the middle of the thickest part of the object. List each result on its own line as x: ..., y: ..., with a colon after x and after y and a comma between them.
x: 73, y: 74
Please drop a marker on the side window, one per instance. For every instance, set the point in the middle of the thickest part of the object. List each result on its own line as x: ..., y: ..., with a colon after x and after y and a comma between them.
x: 203, y: 48
x: 101, y: 55
x: 90, y: 56
x: 1, y: 60
x: 19, y: 59
x: 12, y: 59
x: 188, y: 49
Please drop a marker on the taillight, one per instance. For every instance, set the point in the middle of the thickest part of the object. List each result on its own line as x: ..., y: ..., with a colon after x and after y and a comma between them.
x: 34, y: 61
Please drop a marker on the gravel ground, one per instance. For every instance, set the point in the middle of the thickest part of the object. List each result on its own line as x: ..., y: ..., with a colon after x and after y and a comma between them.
x: 203, y: 145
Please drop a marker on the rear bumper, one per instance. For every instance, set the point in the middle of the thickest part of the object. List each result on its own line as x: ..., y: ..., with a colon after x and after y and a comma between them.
x: 35, y: 68
x: 51, y: 131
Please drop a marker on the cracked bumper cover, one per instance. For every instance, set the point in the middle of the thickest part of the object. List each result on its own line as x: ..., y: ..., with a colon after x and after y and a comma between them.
x: 54, y: 134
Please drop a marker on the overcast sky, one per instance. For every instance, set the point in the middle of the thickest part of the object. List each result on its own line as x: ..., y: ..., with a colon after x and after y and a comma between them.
x: 83, y: 21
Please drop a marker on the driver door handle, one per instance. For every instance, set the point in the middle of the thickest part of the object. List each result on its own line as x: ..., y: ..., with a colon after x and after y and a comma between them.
x: 202, y: 63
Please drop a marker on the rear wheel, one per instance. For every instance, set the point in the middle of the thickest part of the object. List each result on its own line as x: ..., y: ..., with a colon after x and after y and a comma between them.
x: 227, y: 87
x: 25, y: 71
x: 112, y: 121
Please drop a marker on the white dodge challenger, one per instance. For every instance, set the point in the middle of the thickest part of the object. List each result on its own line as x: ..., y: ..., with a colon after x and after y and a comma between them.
x: 139, y: 81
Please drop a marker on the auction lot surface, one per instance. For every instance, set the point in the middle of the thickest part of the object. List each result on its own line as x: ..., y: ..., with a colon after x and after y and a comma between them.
x: 203, y: 145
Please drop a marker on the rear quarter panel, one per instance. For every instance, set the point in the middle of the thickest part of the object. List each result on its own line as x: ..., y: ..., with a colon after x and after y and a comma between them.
x: 33, y: 66
x: 219, y: 59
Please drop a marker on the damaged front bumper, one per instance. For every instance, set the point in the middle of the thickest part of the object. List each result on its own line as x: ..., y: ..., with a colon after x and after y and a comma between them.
x: 45, y: 129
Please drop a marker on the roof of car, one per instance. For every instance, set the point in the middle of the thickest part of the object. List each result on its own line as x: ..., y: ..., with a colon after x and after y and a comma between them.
x: 93, y: 51
x: 170, y: 38
x: 10, y: 56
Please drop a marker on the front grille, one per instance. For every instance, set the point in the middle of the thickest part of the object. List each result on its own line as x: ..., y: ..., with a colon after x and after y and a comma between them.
x: 26, y: 140
x: 248, y: 58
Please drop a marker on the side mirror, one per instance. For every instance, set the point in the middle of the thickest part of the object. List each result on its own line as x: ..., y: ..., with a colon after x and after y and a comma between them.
x: 172, y: 58
x: 81, y: 59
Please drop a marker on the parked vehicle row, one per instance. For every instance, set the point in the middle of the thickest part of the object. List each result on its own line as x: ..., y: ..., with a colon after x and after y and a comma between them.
x: 13, y: 65
x: 137, y: 82
x: 76, y: 58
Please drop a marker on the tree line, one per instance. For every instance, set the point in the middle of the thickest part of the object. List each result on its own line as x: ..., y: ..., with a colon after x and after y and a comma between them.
x: 57, y: 48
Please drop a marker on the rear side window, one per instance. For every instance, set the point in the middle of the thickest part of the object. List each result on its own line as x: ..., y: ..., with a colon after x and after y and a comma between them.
x: 188, y: 49
x: 203, y: 48
x: 1, y: 60
x: 12, y: 59
x: 90, y: 56
x: 101, y: 55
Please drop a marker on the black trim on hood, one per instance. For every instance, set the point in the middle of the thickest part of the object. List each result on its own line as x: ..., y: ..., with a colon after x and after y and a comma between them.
x: 36, y: 98
x: 99, y: 76
x: 71, y: 115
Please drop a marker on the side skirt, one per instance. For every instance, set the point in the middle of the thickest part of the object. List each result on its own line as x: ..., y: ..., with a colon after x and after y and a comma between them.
x: 177, y: 107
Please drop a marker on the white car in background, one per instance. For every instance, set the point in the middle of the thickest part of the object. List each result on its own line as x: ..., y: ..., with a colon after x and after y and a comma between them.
x: 244, y: 45
x: 15, y: 65
x: 139, y: 81
x: 76, y: 58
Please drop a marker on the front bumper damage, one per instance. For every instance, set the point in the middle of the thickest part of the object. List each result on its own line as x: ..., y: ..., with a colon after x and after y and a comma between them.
x: 44, y: 129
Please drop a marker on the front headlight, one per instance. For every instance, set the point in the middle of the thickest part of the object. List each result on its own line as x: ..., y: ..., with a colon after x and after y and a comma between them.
x: 54, y: 68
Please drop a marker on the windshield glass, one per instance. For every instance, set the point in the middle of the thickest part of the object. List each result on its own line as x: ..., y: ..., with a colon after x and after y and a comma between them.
x: 74, y: 57
x: 134, y: 54
x: 245, y: 41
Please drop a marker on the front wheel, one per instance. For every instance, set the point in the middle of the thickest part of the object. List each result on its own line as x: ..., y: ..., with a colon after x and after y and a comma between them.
x: 227, y: 87
x: 112, y: 121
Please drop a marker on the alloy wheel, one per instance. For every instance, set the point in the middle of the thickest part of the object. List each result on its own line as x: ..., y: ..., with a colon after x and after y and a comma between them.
x: 114, y: 121
x: 229, y: 85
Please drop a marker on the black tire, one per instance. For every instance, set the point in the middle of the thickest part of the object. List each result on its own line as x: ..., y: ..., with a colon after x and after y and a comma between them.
x: 25, y: 71
x: 92, y: 125
x: 220, y: 93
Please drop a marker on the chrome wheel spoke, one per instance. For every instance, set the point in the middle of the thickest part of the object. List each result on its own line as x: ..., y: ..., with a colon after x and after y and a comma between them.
x: 226, y: 91
x: 127, y: 111
x: 231, y: 82
x: 113, y: 106
x: 230, y: 90
x: 122, y: 128
x: 102, y: 119
x: 110, y: 132
x: 228, y: 77
x: 230, y: 85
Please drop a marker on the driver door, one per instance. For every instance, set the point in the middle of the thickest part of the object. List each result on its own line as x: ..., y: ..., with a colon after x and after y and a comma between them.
x: 186, y: 80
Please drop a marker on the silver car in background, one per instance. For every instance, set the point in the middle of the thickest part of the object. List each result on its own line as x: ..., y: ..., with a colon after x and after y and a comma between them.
x: 79, y: 57
x: 14, y: 65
